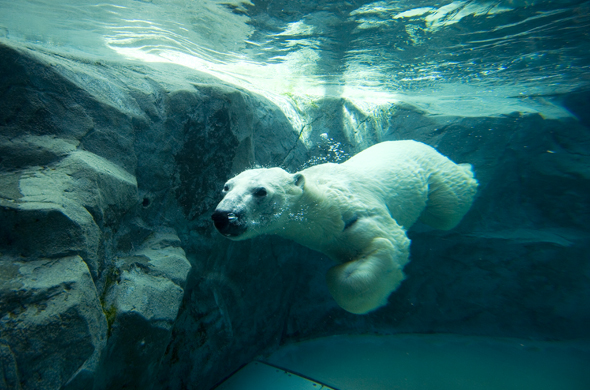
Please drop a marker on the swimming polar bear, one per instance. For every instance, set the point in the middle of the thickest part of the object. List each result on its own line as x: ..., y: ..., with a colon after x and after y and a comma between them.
x: 357, y: 212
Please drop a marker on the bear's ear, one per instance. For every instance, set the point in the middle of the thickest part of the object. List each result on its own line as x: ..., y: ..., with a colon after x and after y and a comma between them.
x: 298, y: 180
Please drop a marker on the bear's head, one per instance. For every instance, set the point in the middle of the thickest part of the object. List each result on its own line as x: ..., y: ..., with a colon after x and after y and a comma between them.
x: 257, y: 201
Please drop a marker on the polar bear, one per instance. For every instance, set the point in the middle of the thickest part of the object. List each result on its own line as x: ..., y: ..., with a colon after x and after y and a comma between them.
x: 357, y: 212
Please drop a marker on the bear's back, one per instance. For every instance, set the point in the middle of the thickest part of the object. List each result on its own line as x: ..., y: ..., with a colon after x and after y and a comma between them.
x: 386, y: 178
x: 443, y: 190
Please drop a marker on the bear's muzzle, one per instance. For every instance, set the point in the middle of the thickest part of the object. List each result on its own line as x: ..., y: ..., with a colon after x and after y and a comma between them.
x: 228, y: 223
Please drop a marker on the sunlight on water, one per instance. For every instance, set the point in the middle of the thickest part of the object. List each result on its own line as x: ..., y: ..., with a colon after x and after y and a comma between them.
x: 493, y: 57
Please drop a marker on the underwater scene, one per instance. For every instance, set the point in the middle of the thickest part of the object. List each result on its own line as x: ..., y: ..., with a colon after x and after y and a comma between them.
x: 273, y: 194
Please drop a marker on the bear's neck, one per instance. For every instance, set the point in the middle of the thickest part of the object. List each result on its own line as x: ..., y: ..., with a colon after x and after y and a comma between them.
x: 312, y: 220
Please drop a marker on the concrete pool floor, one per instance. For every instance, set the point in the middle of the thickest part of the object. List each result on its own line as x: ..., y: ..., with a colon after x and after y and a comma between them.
x: 412, y: 362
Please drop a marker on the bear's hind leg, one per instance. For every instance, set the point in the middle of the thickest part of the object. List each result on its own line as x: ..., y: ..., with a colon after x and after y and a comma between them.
x: 451, y: 190
x: 364, y: 284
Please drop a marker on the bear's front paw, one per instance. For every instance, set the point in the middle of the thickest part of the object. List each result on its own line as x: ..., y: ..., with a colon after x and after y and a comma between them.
x: 364, y: 284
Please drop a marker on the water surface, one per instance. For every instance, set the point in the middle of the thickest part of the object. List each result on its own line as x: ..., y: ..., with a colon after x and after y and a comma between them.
x: 448, y: 57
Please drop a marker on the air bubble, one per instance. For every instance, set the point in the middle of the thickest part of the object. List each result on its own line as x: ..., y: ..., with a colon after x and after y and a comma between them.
x: 328, y: 150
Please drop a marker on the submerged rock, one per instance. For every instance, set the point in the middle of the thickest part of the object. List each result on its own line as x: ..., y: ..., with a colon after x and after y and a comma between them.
x: 141, y: 300
x: 116, y: 169
x: 112, y: 276
x: 52, y: 328
x: 58, y: 209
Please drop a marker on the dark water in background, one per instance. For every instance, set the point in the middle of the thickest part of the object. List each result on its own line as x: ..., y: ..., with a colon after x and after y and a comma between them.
x: 490, y: 56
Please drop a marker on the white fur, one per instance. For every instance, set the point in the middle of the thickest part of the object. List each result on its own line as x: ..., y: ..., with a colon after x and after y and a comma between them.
x: 357, y: 212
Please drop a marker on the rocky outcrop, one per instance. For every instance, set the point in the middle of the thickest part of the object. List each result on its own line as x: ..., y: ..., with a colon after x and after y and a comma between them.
x: 53, y: 327
x: 141, y: 300
x: 57, y: 209
x: 103, y: 181
x: 111, y: 275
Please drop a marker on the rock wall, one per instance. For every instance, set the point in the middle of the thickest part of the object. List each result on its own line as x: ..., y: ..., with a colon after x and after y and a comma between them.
x: 108, y: 175
x: 111, y: 275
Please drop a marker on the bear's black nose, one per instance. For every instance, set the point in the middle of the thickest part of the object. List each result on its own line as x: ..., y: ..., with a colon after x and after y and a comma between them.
x: 227, y: 223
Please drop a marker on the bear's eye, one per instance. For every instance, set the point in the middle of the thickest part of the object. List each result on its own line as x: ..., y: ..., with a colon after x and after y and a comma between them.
x: 225, y: 188
x: 259, y: 192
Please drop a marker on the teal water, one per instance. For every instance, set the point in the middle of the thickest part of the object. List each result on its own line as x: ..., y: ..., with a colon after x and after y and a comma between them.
x: 470, y: 73
x: 491, y: 57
